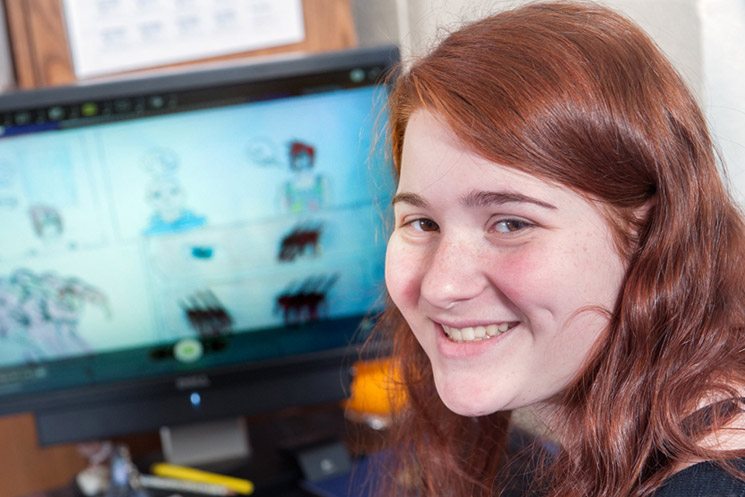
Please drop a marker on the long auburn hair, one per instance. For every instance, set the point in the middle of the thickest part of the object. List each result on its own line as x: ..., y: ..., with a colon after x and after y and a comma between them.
x: 578, y: 95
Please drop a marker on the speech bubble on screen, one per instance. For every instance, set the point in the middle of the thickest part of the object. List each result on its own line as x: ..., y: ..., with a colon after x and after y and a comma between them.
x: 263, y: 152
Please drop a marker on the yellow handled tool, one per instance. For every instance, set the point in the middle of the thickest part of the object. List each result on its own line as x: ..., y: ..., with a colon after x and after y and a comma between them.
x: 237, y: 485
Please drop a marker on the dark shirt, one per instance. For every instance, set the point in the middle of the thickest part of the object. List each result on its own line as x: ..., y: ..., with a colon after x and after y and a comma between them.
x: 705, y: 479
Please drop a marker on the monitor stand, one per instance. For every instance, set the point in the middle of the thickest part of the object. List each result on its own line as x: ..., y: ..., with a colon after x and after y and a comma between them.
x: 285, y: 447
x: 223, y: 447
x: 206, y: 443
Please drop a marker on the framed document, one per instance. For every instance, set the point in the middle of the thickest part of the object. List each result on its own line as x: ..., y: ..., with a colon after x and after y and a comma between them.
x: 61, y: 41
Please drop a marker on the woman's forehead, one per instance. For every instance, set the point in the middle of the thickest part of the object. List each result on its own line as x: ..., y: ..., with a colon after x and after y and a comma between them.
x: 432, y: 154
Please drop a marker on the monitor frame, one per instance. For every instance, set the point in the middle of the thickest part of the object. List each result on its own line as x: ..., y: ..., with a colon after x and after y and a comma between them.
x: 140, y: 405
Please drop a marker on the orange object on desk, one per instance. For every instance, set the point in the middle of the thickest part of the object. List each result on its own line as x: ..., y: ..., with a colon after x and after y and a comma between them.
x: 376, y: 389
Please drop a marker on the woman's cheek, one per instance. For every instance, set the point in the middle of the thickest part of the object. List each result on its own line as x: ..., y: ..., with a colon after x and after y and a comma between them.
x: 402, y: 267
x: 522, y: 272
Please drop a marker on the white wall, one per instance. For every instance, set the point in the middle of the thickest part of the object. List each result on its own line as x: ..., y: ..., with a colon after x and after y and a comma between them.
x: 723, y: 37
x: 376, y: 21
x: 674, y: 25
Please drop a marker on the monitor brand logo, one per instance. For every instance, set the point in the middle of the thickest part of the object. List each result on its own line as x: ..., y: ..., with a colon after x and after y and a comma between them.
x: 193, y: 381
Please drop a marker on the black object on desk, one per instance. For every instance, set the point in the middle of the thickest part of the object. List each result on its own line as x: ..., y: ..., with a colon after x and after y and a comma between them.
x: 324, y: 461
x: 357, y: 482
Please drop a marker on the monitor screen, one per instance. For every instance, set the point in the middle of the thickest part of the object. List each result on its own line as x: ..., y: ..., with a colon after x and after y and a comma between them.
x: 189, y: 234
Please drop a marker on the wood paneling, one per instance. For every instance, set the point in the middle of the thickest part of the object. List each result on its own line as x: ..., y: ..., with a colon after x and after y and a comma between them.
x: 25, y: 467
x: 39, y: 42
x: 42, y: 58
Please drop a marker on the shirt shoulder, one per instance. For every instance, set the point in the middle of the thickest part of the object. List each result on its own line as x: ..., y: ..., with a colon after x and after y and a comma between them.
x: 706, y: 479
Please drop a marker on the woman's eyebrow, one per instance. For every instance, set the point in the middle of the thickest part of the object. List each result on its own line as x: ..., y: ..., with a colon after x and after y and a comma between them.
x: 476, y: 199
x: 488, y: 198
x: 410, y: 198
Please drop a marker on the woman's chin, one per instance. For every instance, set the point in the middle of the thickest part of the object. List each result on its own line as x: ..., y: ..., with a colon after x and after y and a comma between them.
x: 473, y: 404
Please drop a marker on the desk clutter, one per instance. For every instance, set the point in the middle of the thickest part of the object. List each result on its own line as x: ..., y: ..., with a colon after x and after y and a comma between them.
x: 310, y: 452
x: 328, y: 472
x: 119, y: 477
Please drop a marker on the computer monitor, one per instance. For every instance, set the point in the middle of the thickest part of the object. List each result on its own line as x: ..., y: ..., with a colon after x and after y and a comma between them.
x: 190, y: 246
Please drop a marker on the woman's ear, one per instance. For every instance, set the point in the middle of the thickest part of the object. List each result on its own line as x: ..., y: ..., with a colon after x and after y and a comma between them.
x: 629, y: 224
x: 641, y: 213
x: 639, y: 223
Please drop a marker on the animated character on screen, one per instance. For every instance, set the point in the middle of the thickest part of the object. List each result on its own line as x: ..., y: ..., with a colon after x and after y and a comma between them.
x: 40, y: 314
x: 306, y: 301
x: 206, y: 314
x: 166, y: 195
x: 306, y: 191
x: 303, y: 239
x: 47, y: 221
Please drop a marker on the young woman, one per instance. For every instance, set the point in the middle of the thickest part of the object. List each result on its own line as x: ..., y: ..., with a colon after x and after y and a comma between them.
x: 563, y: 241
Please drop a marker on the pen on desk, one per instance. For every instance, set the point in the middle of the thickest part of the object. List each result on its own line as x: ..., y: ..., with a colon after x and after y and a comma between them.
x: 237, y: 485
x: 161, y: 483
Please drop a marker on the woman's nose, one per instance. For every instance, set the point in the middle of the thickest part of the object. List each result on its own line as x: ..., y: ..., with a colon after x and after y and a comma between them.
x: 455, y: 274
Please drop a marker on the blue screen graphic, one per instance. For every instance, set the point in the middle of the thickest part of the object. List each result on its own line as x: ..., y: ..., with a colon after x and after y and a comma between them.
x: 206, y: 223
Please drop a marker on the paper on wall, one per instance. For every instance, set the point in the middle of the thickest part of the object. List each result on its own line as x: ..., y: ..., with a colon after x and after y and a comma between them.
x: 108, y: 36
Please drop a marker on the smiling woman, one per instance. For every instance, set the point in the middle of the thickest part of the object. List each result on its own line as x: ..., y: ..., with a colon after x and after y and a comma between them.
x: 563, y: 241
x: 478, y: 247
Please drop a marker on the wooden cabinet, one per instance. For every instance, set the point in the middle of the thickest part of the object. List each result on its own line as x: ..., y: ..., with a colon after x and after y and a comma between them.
x: 42, y: 58
x: 25, y: 467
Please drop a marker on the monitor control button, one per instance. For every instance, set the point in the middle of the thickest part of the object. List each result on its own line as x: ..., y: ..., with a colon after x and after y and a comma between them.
x: 188, y: 350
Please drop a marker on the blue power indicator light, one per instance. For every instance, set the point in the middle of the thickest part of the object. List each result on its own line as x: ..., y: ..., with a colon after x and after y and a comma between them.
x: 195, y: 399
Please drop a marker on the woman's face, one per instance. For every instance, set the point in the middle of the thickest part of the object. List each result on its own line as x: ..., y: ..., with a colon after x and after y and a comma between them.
x: 501, y: 276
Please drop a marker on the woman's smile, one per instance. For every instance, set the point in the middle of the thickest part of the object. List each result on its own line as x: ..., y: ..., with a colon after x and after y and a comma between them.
x: 478, y: 332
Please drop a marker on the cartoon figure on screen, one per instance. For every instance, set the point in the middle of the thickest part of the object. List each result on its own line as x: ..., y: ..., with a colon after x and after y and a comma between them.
x: 262, y: 152
x: 40, y: 314
x: 307, y: 191
x: 303, y: 240
x: 305, y: 301
x: 166, y: 195
x: 46, y: 221
x: 206, y: 314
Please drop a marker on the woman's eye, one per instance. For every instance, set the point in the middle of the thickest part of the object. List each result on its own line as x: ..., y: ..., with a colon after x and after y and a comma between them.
x: 510, y: 225
x: 423, y: 224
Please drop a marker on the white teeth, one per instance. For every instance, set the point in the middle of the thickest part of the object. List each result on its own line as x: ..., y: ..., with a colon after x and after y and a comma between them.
x: 475, y: 333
